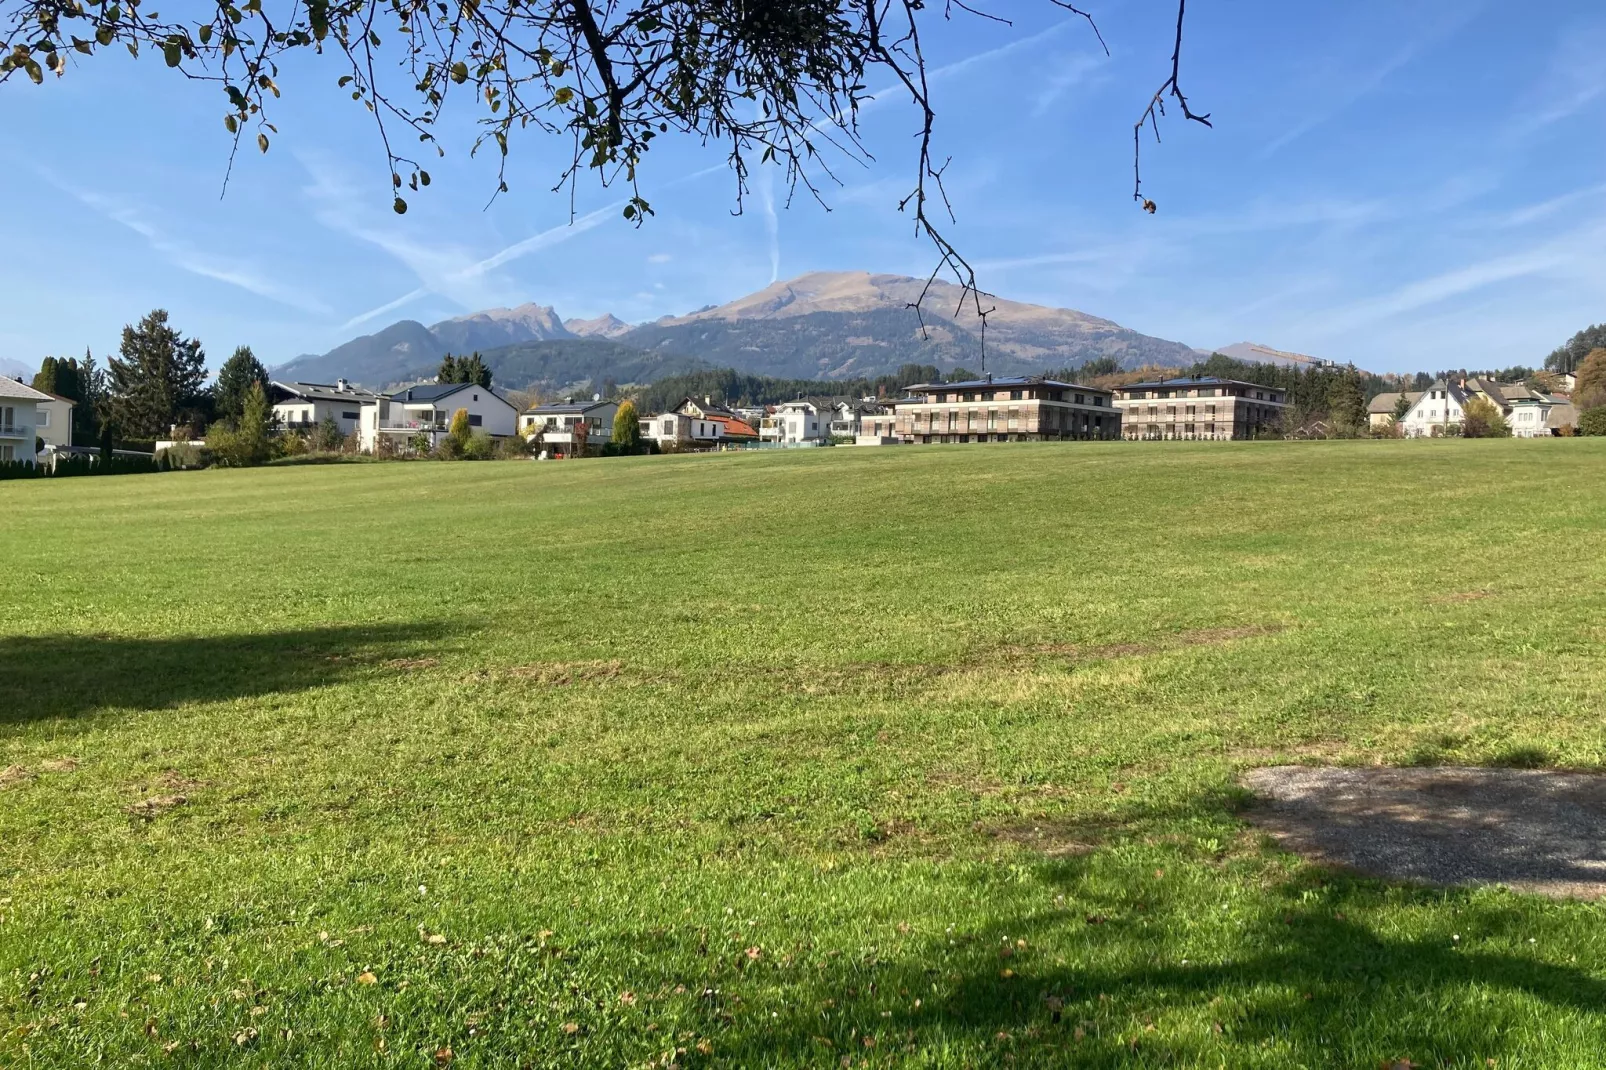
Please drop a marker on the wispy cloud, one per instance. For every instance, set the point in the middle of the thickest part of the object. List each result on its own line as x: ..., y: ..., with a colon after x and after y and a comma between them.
x: 1073, y: 71
x: 1575, y: 79
x: 187, y: 256
x: 1571, y: 256
x: 1344, y: 91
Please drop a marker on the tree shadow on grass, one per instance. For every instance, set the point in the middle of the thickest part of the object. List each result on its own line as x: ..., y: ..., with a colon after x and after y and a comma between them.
x: 52, y: 676
x: 1307, y: 985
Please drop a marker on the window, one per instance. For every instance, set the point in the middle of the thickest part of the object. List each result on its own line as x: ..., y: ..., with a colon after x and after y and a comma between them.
x: 475, y: 420
x: 1079, y: 400
x: 1098, y: 401
x: 6, y: 453
x: 1191, y: 409
x: 42, y: 418
x: 348, y: 416
x: 1188, y: 428
x: 1014, y: 395
x: 476, y: 397
x: 1170, y: 410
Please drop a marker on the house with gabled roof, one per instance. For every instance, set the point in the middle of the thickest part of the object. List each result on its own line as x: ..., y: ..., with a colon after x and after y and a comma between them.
x: 302, y: 406
x: 558, y: 422
x: 1439, y: 411
x: 424, y: 413
x: 19, y: 420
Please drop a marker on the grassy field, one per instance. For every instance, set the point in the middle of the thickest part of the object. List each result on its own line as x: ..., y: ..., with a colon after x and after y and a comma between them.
x: 919, y: 757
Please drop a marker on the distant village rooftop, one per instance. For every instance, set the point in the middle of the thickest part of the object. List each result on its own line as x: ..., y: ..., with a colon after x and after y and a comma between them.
x: 1003, y: 382
x: 1190, y: 380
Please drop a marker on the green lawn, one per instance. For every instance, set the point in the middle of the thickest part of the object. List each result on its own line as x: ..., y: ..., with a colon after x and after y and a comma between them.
x: 919, y: 756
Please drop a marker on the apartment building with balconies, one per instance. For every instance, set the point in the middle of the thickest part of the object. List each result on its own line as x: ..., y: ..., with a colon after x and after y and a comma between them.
x: 1003, y: 409
x: 1204, y: 407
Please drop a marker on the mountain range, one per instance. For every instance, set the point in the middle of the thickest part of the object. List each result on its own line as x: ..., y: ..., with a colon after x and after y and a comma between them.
x: 824, y: 325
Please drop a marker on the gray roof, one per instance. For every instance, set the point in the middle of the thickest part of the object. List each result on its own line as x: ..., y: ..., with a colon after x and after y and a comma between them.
x: 11, y: 388
x: 566, y: 408
x: 323, y: 392
x: 437, y: 391
x: 1384, y: 404
x: 1564, y: 414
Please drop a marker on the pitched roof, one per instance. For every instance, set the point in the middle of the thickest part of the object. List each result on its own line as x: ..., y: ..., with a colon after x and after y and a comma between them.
x: 735, y: 427
x: 1563, y: 415
x: 437, y: 391
x: 323, y: 392
x: 12, y: 388
x: 565, y: 408
x: 1384, y: 403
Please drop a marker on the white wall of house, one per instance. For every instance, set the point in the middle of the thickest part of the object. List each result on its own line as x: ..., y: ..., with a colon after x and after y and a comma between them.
x: 18, y: 427
x: 306, y: 413
x: 800, y: 421
x: 679, y: 428
x: 1527, y: 419
x: 402, y: 420
x: 558, y: 428
x: 55, y: 422
x: 1435, y: 408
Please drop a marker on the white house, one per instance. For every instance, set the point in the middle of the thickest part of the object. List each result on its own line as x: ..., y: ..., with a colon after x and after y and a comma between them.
x: 301, y: 406
x: 55, y: 420
x: 427, y: 410
x: 559, y: 422
x: 1440, y: 405
x: 684, y: 430
x: 19, y: 420
x: 806, y: 420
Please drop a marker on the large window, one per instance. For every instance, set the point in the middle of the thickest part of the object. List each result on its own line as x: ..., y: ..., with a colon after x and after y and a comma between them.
x: 43, y: 418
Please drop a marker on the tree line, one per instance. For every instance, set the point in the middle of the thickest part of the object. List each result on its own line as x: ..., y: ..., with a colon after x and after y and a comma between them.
x: 155, y: 383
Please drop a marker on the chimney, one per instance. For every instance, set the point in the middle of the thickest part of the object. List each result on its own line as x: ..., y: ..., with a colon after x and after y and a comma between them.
x: 342, y: 386
x: 708, y: 399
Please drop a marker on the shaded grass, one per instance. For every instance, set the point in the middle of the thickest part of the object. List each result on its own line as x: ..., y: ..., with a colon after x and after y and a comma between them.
x: 777, y: 746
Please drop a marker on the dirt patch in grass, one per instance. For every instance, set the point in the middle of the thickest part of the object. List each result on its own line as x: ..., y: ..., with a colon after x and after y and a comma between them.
x: 13, y: 774
x: 1534, y: 830
x: 156, y: 806
x: 560, y: 673
x: 1058, y: 837
x: 1181, y: 640
x: 412, y: 664
x: 58, y: 765
x: 1459, y: 597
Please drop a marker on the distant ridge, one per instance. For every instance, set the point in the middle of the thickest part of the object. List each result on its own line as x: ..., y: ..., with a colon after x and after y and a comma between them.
x: 823, y: 325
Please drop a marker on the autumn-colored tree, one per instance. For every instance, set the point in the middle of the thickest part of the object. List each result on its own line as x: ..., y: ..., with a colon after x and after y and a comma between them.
x: 627, y: 427
x: 460, y: 430
x: 1590, y: 393
x: 1481, y: 419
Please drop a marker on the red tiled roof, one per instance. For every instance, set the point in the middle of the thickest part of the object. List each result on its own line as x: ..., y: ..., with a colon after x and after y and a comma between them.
x: 735, y: 428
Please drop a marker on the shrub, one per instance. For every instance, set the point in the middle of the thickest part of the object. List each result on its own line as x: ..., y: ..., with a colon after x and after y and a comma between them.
x: 183, y: 455
x: 479, y: 447
x: 1593, y: 422
x: 327, y: 436
x: 1483, y: 420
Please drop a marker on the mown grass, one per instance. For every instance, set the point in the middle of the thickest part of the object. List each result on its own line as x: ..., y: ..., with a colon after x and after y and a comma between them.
x: 918, y: 757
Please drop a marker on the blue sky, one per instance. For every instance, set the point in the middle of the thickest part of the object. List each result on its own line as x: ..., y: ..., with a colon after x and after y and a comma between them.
x: 1401, y: 185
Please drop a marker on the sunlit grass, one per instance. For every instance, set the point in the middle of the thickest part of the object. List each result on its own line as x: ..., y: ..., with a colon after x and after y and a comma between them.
x: 901, y: 756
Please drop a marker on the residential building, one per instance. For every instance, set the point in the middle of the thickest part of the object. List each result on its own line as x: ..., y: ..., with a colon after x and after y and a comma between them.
x: 879, y: 428
x: 55, y: 420
x: 1441, y: 405
x: 1562, y: 416
x: 678, y: 430
x: 1380, y: 410
x: 19, y: 420
x: 559, y: 422
x: 302, y: 406
x: 804, y: 420
x: 1001, y: 409
x: 699, y: 409
x: 1199, y: 407
x: 848, y: 416
x: 427, y: 410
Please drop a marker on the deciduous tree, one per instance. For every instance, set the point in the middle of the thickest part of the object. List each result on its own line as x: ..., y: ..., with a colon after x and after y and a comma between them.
x: 1590, y: 392
x: 1481, y: 419
x: 627, y: 426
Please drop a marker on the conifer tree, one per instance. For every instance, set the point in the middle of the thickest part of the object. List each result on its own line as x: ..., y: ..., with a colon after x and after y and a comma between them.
x: 627, y: 427
x: 234, y: 381
x: 156, y: 379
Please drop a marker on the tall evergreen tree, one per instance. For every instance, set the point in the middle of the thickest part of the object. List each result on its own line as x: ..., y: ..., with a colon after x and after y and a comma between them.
x: 448, y: 370
x: 234, y: 381
x: 627, y: 426
x: 472, y: 369
x: 59, y: 376
x: 157, y: 379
